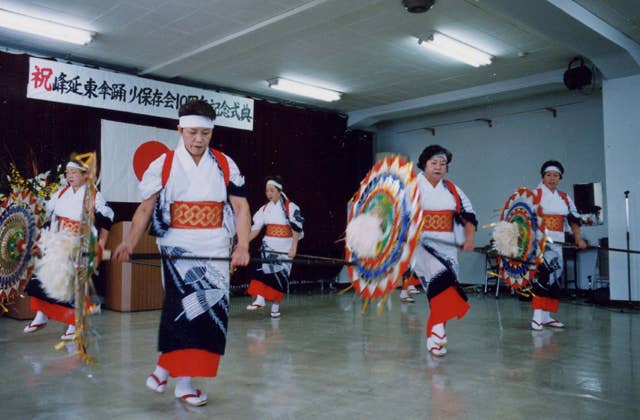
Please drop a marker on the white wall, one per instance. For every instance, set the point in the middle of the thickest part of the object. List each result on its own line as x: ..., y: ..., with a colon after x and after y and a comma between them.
x: 621, y: 115
x: 489, y: 163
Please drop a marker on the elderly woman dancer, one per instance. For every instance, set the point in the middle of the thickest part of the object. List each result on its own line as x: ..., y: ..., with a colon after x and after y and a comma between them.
x: 559, y: 212
x: 65, y: 210
x: 447, y: 209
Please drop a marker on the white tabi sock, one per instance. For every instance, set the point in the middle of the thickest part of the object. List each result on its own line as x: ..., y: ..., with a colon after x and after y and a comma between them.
x: 275, y: 307
x: 439, y: 334
x: 161, y: 373
x: 404, y: 294
x: 157, y: 381
x: 259, y: 301
x: 185, y: 391
x: 70, y: 329
x: 546, y: 317
x: 184, y: 386
x: 40, y: 318
x: 538, y: 315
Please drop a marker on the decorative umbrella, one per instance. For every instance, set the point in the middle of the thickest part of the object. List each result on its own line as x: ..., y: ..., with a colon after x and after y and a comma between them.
x: 520, y: 238
x: 20, y: 221
x: 383, y: 227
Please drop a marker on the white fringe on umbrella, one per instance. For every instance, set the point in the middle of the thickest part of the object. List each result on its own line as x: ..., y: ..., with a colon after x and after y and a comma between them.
x: 364, y: 232
x: 56, y: 269
x: 505, y: 236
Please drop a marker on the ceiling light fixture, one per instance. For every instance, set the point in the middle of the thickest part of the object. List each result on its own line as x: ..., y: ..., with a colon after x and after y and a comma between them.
x: 418, y: 6
x: 43, y: 27
x: 455, y: 49
x: 304, y: 90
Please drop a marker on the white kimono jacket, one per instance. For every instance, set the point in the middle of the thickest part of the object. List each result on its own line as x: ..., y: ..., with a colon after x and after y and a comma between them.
x: 439, y: 197
x: 553, y: 204
x: 274, y: 214
x: 67, y: 203
x: 196, y: 304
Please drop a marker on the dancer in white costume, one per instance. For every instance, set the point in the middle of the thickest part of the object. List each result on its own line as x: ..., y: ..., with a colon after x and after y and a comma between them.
x: 65, y: 213
x: 435, y: 260
x: 559, y: 213
x: 283, y: 222
x: 188, y: 195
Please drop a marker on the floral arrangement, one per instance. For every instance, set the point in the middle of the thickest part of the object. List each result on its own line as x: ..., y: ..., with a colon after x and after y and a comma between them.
x: 42, y: 185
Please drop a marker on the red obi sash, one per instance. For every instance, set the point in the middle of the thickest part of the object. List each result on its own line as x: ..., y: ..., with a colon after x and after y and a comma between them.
x: 196, y: 214
x: 554, y: 222
x: 279, y: 231
x: 70, y: 225
x: 438, y: 221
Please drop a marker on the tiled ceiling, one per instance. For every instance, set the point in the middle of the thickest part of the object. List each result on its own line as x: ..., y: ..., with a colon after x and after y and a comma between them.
x: 622, y: 14
x: 366, y: 49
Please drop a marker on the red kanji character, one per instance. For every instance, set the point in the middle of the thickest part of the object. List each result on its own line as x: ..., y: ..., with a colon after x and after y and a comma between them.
x: 40, y: 77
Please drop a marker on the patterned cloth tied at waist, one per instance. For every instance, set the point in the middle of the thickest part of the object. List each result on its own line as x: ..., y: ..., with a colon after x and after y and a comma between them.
x: 554, y: 222
x: 279, y: 231
x: 438, y: 221
x: 196, y: 214
x: 69, y: 225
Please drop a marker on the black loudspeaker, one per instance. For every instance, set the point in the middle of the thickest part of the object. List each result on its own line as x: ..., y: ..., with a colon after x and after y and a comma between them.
x: 577, y: 75
x: 584, y: 198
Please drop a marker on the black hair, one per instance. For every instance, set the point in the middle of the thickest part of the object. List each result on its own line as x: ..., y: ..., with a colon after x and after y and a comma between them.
x: 552, y: 163
x: 430, y: 151
x: 197, y: 107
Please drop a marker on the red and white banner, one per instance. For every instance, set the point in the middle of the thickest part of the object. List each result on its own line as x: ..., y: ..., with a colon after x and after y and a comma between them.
x: 118, y: 143
x: 78, y: 85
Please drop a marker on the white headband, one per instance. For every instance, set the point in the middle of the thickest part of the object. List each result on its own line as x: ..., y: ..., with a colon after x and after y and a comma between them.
x: 193, y: 121
x: 76, y: 165
x: 442, y: 155
x: 552, y: 168
x: 275, y: 184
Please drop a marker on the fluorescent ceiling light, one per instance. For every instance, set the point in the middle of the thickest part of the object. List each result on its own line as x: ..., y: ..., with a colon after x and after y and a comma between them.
x: 457, y: 50
x: 304, y: 90
x: 45, y: 28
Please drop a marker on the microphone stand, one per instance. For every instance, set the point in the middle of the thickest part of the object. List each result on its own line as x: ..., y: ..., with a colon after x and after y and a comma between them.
x: 626, y: 205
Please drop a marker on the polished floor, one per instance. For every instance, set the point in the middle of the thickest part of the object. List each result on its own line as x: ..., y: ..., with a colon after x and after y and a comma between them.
x: 323, y: 360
